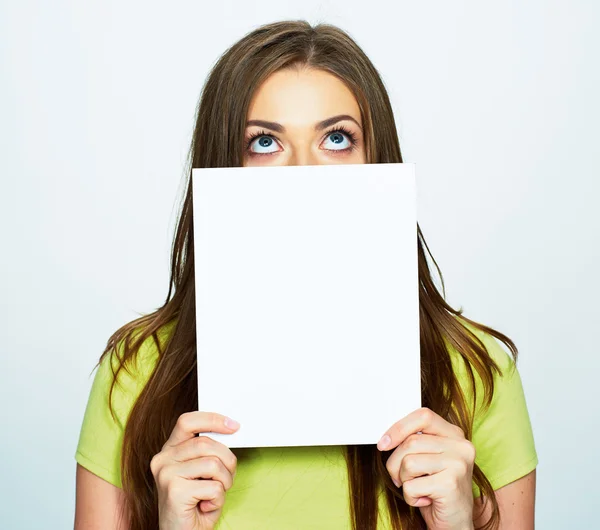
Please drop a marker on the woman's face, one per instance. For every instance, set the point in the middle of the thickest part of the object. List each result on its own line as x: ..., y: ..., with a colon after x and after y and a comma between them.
x: 303, y: 117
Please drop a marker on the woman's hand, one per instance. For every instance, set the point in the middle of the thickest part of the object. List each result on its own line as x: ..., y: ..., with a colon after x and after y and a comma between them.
x: 433, y: 463
x: 185, y: 503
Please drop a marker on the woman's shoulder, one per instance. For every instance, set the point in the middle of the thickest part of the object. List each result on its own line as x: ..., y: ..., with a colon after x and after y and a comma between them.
x: 139, y: 366
x: 492, y: 345
x: 112, y: 396
x: 502, y: 431
x: 130, y: 378
x: 468, y: 372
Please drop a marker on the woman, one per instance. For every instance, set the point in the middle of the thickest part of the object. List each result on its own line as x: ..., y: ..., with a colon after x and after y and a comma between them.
x: 290, y: 94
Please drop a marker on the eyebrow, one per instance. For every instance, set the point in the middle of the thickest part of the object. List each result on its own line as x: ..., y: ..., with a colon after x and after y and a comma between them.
x: 273, y: 125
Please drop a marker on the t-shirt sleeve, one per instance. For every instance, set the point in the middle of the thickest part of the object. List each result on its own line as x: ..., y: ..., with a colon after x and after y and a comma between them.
x: 502, y: 433
x: 101, y: 435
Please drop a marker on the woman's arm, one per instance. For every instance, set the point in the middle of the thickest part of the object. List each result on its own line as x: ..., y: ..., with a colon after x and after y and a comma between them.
x: 516, y: 502
x: 99, y: 505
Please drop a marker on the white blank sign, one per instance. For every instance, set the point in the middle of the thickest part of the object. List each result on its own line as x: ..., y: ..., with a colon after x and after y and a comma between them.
x: 307, y: 307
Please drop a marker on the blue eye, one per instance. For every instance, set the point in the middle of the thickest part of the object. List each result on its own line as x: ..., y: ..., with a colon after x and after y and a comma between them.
x: 339, y: 141
x: 264, y: 143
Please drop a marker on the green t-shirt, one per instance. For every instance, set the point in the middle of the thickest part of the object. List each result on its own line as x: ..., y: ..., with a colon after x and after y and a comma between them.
x: 307, y: 487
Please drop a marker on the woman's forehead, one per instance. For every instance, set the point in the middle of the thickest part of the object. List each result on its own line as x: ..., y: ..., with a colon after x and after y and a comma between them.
x: 302, y: 97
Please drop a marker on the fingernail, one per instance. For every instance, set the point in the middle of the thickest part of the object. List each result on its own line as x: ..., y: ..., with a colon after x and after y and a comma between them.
x: 231, y: 424
x: 384, y: 443
x: 396, y: 483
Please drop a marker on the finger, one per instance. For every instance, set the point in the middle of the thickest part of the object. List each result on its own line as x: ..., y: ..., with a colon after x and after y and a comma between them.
x: 418, y: 465
x: 415, y: 444
x: 462, y: 451
x: 421, y: 420
x: 189, y: 493
x: 415, y: 489
x: 211, y: 506
x: 197, y: 421
x: 210, y: 496
x: 202, y: 446
x: 206, y: 467
x: 442, y: 485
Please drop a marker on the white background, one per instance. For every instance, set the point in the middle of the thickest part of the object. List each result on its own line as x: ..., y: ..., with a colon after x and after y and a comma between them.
x: 496, y: 103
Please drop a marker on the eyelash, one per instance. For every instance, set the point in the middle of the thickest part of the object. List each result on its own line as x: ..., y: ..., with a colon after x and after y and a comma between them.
x: 340, y: 128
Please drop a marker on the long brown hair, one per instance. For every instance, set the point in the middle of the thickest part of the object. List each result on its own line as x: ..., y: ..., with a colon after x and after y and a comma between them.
x: 218, y: 142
